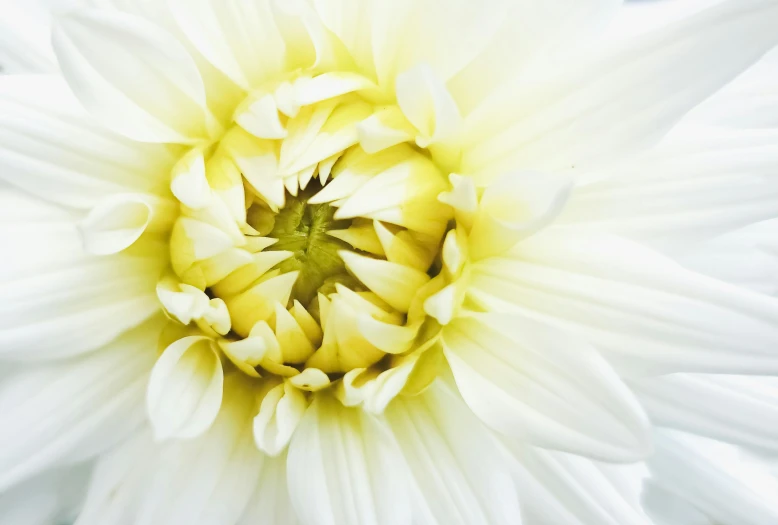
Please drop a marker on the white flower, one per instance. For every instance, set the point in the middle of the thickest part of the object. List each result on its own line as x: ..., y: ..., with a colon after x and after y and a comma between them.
x: 371, y: 262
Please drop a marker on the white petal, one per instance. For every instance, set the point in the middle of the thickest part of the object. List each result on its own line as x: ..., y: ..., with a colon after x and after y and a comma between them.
x: 209, y: 480
x: 514, y: 207
x: 427, y: 105
x: 62, y: 312
x: 50, y: 147
x: 25, y: 45
x: 621, y: 100
x: 644, y: 312
x: 715, y: 478
x: 52, y: 497
x: 564, y: 489
x: 345, y: 468
x: 279, y: 414
x: 185, y: 389
x: 747, y: 257
x: 666, y: 508
x: 738, y: 409
x: 532, y: 381
x: 118, y: 221
x: 73, y: 410
x: 270, y: 502
x: 40, y: 236
x: 239, y: 38
x: 699, y: 182
x: 133, y: 76
x: 118, y: 481
x: 461, y: 477
x: 530, y: 36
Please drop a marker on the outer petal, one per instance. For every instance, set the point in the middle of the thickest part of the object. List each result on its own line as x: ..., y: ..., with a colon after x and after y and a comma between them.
x: 563, y: 489
x: 205, y: 481
x: 133, y: 76
x: 738, y: 409
x: 24, y: 38
x: 345, y: 468
x: 622, y: 101
x: 530, y: 35
x: 208, y: 481
x: 270, y: 502
x: 534, y: 382
x: 75, y: 409
x: 701, y: 181
x: 52, y: 497
x: 239, y: 38
x: 461, y: 476
x: 667, y: 508
x: 747, y: 257
x: 643, y: 311
x: 50, y: 147
x: 66, y: 309
x: 716, y: 479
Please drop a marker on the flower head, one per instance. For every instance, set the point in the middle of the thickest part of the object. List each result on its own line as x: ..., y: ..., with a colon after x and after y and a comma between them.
x: 377, y: 262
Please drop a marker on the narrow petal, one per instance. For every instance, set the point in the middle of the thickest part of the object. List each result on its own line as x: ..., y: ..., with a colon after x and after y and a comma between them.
x: 52, y: 497
x: 460, y: 474
x: 717, y: 479
x: 57, y: 300
x: 132, y: 76
x: 50, y: 147
x: 644, y: 312
x: 700, y: 182
x: 667, y: 508
x: 25, y: 46
x: 239, y: 38
x: 72, y: 310
x: 622, y: 99
x: 209, y: 480
x: 565, y: 489
x: 270, y: 502
x: 747, y: 257
x: 531, y: 381
x: 74, y: 410
x: 345, y: 468
x: 735, y: 409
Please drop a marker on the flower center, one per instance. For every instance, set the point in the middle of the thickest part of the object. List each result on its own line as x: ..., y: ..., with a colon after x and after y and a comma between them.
x: 302, y: 255
x: 303, y: 229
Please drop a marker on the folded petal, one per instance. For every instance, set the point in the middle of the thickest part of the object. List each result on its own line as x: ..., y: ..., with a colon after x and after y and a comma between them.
x: 737, y: 409
x: 461, y: 477
x: 73, y: 410
x: 532, y: 381
x: 345, y: 468
x: 185, y: 389
x: 134, y: 77
x: 644, y: 312
x: 623, y: 98
x: 564, y: 489
x: 50, y: 147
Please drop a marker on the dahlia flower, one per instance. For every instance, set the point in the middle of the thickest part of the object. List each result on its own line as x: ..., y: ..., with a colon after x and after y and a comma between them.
x: 372, y: 262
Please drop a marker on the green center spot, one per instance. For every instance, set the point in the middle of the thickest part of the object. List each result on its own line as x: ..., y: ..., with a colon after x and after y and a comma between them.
x: 301, y: 228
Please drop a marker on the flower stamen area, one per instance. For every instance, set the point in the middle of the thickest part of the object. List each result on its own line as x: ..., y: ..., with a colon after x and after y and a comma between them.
x: 308, y: 262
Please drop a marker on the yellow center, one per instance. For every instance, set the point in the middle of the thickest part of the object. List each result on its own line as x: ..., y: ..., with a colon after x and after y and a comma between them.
x: 301, y: 255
